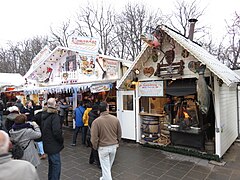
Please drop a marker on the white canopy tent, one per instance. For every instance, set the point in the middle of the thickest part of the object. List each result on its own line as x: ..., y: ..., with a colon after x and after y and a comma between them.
x: 11, y: 79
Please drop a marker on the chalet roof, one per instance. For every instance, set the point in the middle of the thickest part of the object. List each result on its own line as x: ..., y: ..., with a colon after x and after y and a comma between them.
x: 214, y: 65
x: 220, y: 70
x: 59, y: 51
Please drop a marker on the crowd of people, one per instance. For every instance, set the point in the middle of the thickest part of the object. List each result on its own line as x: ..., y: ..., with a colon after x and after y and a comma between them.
x: 39, y: 130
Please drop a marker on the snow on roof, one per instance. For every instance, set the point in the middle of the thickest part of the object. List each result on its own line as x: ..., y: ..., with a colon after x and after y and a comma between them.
x: 11, y: 79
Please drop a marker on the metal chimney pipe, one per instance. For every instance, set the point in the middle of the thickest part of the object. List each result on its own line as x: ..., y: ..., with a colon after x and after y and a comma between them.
x: 191, y: 29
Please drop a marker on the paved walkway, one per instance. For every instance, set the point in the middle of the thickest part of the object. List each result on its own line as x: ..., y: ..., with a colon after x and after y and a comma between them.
x: 133, y: 161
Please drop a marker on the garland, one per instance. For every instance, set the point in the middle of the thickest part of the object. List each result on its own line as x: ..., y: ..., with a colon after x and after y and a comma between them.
x: 184, y: 151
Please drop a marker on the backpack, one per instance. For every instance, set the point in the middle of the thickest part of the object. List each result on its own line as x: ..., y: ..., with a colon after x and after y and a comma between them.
x: 18, y: 150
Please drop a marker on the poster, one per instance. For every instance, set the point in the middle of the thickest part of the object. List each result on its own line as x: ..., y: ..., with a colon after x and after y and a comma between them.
x: 87, y: 64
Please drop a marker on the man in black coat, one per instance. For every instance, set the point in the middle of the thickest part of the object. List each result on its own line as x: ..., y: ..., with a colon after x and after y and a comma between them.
x: 38, y: 119
x: 52, y: 139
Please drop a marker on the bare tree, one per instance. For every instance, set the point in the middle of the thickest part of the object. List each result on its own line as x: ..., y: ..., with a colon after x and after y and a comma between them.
x: 130, y: 24
x: 61, y: 35
x: 232, y: 51
x: 184, y: 11
x: 17, y: 57
x: 97, y: 22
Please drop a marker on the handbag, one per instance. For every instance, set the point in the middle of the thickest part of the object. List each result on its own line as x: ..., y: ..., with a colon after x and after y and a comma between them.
x: 18, y: 150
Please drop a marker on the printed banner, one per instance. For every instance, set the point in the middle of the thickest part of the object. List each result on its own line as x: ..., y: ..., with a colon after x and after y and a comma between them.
x: 100, y: 88
x: 154, y: 88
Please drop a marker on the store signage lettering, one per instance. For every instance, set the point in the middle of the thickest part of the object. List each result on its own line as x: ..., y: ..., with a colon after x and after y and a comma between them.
x: 84, y: 44
x: 151, y: 88
x: 100, y: 88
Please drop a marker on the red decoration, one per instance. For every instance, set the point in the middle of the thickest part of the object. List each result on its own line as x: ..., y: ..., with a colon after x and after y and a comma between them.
x: 49, y: 69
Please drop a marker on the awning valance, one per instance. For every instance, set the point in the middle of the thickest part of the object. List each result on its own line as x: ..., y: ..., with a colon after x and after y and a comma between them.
x: 68, y: 88
x: 58, y: 89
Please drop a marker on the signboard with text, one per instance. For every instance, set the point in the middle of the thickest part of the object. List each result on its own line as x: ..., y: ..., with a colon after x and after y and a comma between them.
x: 100, y: 88
x: 84, y: 44
x: 153, y: 88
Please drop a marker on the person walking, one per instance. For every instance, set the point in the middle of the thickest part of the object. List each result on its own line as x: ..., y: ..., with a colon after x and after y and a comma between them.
x: 11, y: 169
x: 25, y: 133
x: 63, y: 111
x: 105, y: 137
x: 52, y: 139
x: 93, y: 114
x: 78, y: 115
x: 85, y: 122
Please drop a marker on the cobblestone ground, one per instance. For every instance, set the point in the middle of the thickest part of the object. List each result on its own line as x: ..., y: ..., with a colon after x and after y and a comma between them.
x: 133, y: 161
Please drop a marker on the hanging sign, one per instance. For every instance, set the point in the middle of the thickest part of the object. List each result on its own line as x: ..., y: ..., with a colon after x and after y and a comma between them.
x: 84, y: 44
x: 111, y: 68
x: 100, y: 88
x: 153, y: 88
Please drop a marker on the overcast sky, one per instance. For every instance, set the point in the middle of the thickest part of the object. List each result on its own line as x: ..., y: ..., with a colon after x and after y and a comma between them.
x: 23, y: 19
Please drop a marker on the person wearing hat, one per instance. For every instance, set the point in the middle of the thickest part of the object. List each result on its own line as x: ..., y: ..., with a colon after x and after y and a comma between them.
x: 52, y: 139
x: 14, y: 112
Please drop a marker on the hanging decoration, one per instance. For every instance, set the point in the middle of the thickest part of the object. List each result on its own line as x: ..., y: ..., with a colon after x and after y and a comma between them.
x: 194, y: 66
x: 185, y: 53
x: 170, y: 68
x: 148, y: 71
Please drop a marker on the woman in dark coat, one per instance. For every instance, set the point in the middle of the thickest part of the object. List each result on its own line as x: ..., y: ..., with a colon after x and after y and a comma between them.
x: 93, y: 114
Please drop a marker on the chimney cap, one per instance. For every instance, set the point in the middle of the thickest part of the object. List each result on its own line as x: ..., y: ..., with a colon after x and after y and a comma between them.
x: 193, y: 20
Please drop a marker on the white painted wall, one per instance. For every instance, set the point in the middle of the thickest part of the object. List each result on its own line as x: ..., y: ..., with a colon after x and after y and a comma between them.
x: 226, y: 117
x: 238, y: 109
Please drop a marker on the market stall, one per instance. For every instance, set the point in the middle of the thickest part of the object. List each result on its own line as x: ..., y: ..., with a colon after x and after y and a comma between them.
x: 75, y: 72
x: 11, y: 87
x: 179, y: 93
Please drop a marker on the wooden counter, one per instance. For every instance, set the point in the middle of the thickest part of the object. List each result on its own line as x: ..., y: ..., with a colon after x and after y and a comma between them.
x: 149, y: 114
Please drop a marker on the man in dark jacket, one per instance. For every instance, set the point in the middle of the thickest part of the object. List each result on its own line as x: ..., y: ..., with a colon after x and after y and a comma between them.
x: 93, y: 114
x: 38, y: 119
x: 52, y: 139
